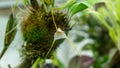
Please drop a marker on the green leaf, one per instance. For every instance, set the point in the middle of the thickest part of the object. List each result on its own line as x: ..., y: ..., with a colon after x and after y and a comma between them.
x: 9, y: 34
x: 57, y: 62
x: 26, y: 2
x: 67, y: 4
x: 113, y: 35
x: 118, y: 9
x: 36, y: 63
x: 105, y: 59
x: 60, y: 64
x: 77, y: 7
x: 10, y: 31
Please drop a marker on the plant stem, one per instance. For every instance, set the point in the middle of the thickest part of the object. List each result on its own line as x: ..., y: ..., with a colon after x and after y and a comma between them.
x: 3, y: 51
x: 50, y: 49
x: 73, y: 45
x: 53, y: 18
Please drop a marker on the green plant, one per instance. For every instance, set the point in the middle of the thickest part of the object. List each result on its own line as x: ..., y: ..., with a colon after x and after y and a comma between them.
x: 42, y: 25
x: 10, y: 30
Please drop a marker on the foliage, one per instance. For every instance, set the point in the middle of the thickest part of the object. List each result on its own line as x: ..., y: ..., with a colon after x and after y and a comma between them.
x: 112, y: 24
x: 106, y: 14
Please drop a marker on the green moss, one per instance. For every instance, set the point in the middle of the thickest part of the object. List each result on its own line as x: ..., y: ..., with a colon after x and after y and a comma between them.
x: 35, y: 33
x: 38, y: 31
x: 34, y: 28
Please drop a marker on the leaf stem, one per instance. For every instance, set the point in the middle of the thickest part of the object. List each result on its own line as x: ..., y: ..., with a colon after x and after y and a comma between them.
x: 53, y: 18
x: 50, y: 48
x: 73, y: 45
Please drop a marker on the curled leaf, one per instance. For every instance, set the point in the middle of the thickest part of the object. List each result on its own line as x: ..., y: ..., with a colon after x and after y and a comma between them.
x: 77, y: 7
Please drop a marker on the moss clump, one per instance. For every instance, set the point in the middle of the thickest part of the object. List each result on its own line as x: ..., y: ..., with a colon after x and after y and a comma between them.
x: 38, y: 31
x: 34, y: 28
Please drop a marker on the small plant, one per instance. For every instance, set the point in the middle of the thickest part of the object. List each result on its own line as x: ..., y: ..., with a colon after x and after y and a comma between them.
x: 39, y: 27
x: 44, y: 26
